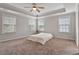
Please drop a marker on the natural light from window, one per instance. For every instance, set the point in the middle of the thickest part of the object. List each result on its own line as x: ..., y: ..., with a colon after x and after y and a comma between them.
x: 8, y: 24
x: 64, y: 23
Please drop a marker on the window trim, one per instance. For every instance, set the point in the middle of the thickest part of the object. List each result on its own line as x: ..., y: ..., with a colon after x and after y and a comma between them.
x: 5, y: 15
x: 37, y: 23
x: 43, y: 25
x: 64, y: 24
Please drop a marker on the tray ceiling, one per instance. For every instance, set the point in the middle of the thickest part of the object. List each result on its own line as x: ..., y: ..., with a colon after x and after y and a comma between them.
x: 50, y: 8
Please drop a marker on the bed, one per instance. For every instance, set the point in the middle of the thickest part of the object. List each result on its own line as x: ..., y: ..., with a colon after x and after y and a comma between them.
x: 41, y: 37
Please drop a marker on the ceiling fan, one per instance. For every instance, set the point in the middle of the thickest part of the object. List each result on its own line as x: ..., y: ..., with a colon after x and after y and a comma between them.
x: 35, y: 7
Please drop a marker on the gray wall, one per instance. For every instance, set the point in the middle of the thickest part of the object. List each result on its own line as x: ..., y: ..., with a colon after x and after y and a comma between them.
x: 78, y: 24
x: 51, y: 26
x: 78, y: 28
x: 22, y: 28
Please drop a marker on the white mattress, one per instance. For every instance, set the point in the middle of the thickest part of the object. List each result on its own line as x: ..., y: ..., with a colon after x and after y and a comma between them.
x: 41, y: 37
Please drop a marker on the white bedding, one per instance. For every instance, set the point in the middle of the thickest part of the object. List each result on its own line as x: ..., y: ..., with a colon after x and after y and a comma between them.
x: 41, y: 37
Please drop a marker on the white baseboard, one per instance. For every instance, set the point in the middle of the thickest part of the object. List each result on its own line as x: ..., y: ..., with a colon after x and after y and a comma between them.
x: 12, y: 38
x: 65, y: 38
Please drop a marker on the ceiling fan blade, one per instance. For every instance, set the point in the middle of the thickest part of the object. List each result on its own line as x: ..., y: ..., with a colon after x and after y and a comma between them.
x: 31, y: 10
x: 38, y: 10
x: 27, y: 7
x: 41, y: 7
x: 33, y: 3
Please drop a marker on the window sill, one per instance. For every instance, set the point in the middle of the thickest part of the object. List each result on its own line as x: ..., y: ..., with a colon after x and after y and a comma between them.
x: 8, y: 32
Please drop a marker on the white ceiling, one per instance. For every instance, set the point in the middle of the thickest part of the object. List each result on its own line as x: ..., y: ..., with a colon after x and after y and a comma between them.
x: 49, y: 7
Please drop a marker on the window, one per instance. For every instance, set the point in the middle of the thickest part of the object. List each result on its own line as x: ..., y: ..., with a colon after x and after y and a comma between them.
x: 33, y: 25
x: 8, y: 24
x: 64, y: 23
x: 40, y: 25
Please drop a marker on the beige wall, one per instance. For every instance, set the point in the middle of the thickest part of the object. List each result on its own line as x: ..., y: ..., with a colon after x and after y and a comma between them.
x: 22, y: 28
x: 51, y: 25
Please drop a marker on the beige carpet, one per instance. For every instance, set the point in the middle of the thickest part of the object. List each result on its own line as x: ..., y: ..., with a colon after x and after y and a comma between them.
x: 26, y: 47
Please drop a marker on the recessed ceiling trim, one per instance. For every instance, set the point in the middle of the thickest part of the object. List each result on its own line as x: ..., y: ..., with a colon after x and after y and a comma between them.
x: 13, y: 12
x: 10, y: 7
x: 58, y: 14
x: 60, y: 10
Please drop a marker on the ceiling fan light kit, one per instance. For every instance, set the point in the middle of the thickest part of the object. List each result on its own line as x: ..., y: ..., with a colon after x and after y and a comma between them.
x: 35, y: 8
